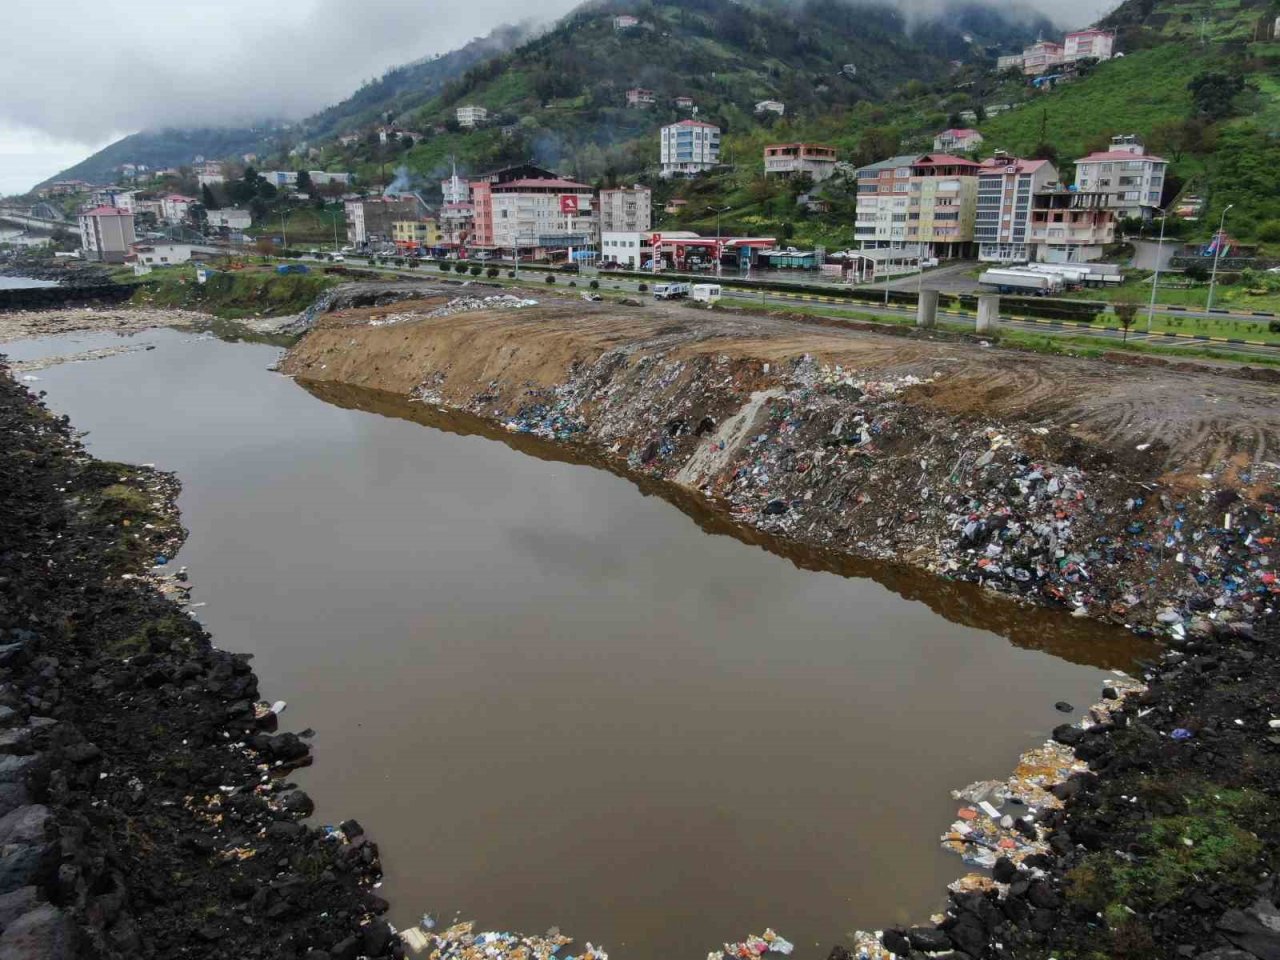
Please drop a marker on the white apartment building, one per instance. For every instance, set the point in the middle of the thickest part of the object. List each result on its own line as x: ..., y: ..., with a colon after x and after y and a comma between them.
x: 105, y: 234
x: 688, y: 148
x: 471, y: 115
x: 1002, y: 224
x: 543, y: 215
x: 884, y: 196
x: 1041, y: 57
x: 626, y: 210
x: 1086, y: 44
x: 1132, y: 180
x: 175, y: 207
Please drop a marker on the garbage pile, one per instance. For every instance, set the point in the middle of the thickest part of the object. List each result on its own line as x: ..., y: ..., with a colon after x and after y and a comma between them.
x: 460, y: 942
x: 457, y: 305
x: 753, y: 947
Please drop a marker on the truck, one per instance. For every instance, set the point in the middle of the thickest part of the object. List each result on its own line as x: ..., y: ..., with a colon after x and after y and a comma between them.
x: 671, y: 291
x: 1021, y: 281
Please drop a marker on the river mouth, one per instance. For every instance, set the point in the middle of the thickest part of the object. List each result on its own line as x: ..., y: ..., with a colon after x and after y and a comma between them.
x: 553, y: 701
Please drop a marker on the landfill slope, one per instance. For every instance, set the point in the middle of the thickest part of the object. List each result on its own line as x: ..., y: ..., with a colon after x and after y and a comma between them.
x: 1142, y: 495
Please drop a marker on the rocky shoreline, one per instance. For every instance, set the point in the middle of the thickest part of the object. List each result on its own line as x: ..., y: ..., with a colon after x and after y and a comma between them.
x: 145, y: 807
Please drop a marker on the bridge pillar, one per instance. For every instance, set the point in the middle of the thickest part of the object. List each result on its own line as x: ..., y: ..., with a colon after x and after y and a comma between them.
x: 988, y: 314
x: 927, y: 309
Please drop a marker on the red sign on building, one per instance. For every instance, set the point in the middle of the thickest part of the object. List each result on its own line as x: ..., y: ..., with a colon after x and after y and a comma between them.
x: 569, y: 204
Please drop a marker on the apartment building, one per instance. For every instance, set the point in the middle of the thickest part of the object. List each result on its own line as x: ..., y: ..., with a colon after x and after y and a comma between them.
x: 1132, y: 180
x: 626, y: 210
x: 1002, y: 224
x: 941, y: 205
x: 175, y: 207
x: 482, y: 196
x: 884, y: 193
x: 630, y: 249
x: 1088, y: 44
x: 787, y: 159
x: 688, y: 148
x: 371, y: 220
x: 1068, y: 226
x: 106, y: 234
x: 232, y: 218
x: 1041, y: 57
x: 471, y: 115
x: 543, y: 216
x: 410, y: 235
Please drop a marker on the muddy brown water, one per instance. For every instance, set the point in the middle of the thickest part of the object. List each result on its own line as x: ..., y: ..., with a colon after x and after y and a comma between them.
x: 556, y: 697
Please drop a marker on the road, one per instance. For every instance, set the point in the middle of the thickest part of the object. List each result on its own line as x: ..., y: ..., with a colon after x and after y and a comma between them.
x: 898, y: 314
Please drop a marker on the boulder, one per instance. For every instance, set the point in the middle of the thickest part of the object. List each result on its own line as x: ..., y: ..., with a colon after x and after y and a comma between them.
x: 15, y: 903
x: 928, y: 939
x: 25, y: 825
x: 45, y: 933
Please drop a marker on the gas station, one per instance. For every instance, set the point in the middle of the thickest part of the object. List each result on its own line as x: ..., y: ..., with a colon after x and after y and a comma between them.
x: 686, y: 251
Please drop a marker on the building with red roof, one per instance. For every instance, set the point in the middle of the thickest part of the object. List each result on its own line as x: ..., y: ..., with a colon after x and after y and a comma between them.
x: 957, y: 138
x: 1006, y: 186
x: 1131, y: 179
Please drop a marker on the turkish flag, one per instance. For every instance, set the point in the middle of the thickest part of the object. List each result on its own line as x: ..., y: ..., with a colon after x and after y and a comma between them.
x: 569, y: 204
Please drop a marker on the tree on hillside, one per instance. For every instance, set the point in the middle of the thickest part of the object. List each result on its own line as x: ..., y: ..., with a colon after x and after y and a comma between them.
x: 875, y: 144
x: 207, y: 198
x: 1045, y: 151
x: 1214, y: 93
x: 304, y: 182
x: 1177, y: 138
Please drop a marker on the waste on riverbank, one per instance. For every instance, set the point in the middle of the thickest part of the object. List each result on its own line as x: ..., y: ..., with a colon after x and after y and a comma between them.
x: 460, y: 942
x: 753, y: 947
x: 457, y: 305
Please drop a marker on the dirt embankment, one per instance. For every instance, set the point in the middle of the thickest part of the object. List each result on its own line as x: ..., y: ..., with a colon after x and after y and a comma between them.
x: 1144, y: 496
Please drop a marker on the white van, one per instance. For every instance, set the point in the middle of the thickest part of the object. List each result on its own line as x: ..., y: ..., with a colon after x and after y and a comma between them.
x: 706, y: 292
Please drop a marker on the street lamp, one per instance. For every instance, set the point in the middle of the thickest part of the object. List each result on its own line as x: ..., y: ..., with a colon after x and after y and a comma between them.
x: 1155, y: 281
x: 1217, y: 254
x: 719, y: 251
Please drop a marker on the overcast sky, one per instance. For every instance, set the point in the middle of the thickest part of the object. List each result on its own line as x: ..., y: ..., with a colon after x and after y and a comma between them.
x: 77, y: 74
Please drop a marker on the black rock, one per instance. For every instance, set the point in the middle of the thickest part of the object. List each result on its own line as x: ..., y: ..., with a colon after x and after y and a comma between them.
x: 1004, y: 871
x: 1063, y: 707
x: 1043, y: 896
x: 775, y: 508
x: 895, y: 941
x: 347, y: 949
x: 377, y: 938
x: 1068, y: 735
x: 296, y: 802
x: 928, y: 939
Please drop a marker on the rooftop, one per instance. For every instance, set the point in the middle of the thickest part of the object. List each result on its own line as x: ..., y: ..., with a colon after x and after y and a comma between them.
x: 693, y: 123
x: 529, y: 183
x: 106, y: 211
x: 1121, y: 155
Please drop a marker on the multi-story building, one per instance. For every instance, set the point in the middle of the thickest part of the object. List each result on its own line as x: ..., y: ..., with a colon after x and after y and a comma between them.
x: 482, y: 196
x: 415, y: 234
x: 941, y: 205
x: 280, y: 179
x: 543, y: 216
x: 371, y: 220
x: 1086, y: 44
x: 630, y: 249
x: 626, y: 210
x: 471, y: 115
x: 105, y: 234
x: 1068, y: 226
x: 455, y: 189
x: 884, y: 193
x: 640, y: 97
x: 1132, y: 180
x: 683, y: 103
x: 785, y: 159
x: 230, y: 217
x: 322, y: 178
x: 1041, y: 57
x: 457, y: 223
x: 688, y: 148
x: 175, y: 207
x: 950, y: 141
x: 771, y: 106
x: 122, y: 198
x: 1012, y: 61
x: 1002, y: 225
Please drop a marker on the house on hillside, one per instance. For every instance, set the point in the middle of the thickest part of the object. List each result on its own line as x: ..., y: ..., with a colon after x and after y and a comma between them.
x: 625, y: 22
x: 1041, y: 58
x: 233, y: 218
x: 1088, y: 44
x: 471, y: 116
x: 787, y: 159
x: 957, y: 140
x: 175, y: 207
x: 1012, y: 61
x: 349, y: 139
x: 683, y: 103
x: 771, y: 106
x: 640, y: 97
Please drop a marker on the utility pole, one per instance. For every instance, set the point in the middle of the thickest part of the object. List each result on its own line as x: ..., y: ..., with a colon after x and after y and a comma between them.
x: 284, y: 237
x: 1217, y: 254
x: 1155, y: 281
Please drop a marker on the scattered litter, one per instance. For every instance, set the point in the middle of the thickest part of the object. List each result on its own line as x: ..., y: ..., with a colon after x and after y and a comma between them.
x: 752, y: 947
x: 460, y: 942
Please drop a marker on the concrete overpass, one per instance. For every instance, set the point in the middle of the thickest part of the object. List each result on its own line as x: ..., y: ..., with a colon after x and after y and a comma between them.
x: 30, y: 218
